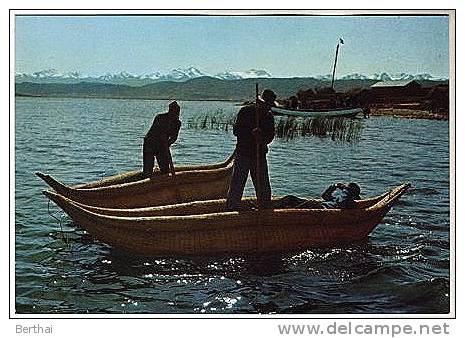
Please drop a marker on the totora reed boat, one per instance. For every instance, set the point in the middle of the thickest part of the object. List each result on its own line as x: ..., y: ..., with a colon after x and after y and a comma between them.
x: 131, y: 190
x: 204, y: 228
x: 137, y: 175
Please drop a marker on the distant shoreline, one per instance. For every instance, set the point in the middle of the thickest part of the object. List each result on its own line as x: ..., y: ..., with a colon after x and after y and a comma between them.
x: 119, y: 98
x: 409, y: 113
x: 394, y: 112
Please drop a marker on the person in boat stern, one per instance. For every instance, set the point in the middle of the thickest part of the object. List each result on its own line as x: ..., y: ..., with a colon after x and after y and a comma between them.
x: 341, y: 196
x: 336, y: 196
x: 162, y: 134
x: 249, y: 137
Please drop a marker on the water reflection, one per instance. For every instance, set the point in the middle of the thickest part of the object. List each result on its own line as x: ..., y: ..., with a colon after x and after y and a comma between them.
x: 402, y: 268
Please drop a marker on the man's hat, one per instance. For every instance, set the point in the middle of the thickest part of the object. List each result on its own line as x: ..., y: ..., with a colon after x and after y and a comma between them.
x: 269, y: 97
x: 174, y: 104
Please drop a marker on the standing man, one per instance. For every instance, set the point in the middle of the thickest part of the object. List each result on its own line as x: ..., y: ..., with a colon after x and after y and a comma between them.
x: 157, y: 141
x: 251, y: 147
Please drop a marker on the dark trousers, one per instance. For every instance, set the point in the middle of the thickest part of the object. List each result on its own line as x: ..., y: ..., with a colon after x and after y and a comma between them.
x: 243, y: 164
x: 149, y: 152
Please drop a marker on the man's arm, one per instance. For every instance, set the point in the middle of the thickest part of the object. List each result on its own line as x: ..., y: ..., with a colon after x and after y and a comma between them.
x: 327, y: 195
x: 268, y: 132
x: 240, y: 126
x: 328, y: 192
x: 174, y: 136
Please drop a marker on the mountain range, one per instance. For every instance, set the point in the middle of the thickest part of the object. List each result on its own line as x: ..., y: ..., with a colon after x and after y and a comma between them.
x: 184, y: 74
x: 199, y: 88
x: 177, y: 75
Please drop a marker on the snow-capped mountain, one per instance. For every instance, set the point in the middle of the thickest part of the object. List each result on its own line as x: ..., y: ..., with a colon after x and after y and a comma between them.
x: 388, y: 77
x: 178, y: 74
x: 326, y: 77
x: 117, y: 76
x: 381, y: 77
x: 181, y: 74
x: 52, y: 72
x: 74, y: 75
x: 423, y: 76
x: 52, y: 75
x: 249, y: 74
x: 354, y: 76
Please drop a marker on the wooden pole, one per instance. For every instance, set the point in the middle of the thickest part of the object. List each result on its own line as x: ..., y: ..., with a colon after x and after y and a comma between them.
x: 173, y: 174
x: 334, y: 67
x: 170, y: 159
x: 257, y: 170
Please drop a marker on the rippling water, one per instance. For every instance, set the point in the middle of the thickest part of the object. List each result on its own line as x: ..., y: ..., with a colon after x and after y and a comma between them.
x: 403, y: 267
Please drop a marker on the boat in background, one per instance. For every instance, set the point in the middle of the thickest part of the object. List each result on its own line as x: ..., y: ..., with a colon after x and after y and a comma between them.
x: 330, y: 113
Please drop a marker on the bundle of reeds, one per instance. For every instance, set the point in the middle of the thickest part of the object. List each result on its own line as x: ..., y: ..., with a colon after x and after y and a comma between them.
x: 338, y: 129
x: 216, y: 121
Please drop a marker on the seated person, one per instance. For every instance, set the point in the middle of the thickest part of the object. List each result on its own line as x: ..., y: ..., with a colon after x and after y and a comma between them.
x: 337, y: 196
x: 341, y: 196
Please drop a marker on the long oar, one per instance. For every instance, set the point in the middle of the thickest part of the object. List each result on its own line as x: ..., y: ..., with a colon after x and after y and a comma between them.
x: 257, y: 169
x: 170, y: 159
x: 173, y: 174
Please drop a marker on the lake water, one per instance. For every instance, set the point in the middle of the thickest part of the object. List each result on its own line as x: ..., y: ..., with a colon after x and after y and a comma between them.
x: 403, y: 267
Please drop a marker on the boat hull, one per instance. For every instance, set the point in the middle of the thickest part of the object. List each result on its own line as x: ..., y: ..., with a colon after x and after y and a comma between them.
x: 248, y: 232
x: 187, y: 208
x: 184, y: 187
x: 138, y: 175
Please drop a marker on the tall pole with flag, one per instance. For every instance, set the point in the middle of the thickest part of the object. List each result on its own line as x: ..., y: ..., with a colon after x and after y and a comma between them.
x: 341, y: 42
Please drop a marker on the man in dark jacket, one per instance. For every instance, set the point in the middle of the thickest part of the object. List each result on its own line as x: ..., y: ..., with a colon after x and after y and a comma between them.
x: 251, y: 136
x: 157, y: 141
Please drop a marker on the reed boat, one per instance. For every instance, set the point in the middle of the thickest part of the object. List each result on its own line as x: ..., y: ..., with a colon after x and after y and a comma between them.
x: 188, y: 185
x: 187, y: 208
x: 205, y: 228
x: 343, y: 112
x: 137, y: 175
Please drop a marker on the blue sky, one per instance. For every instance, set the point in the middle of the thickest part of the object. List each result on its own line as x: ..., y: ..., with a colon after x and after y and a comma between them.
x: 283, y: 46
